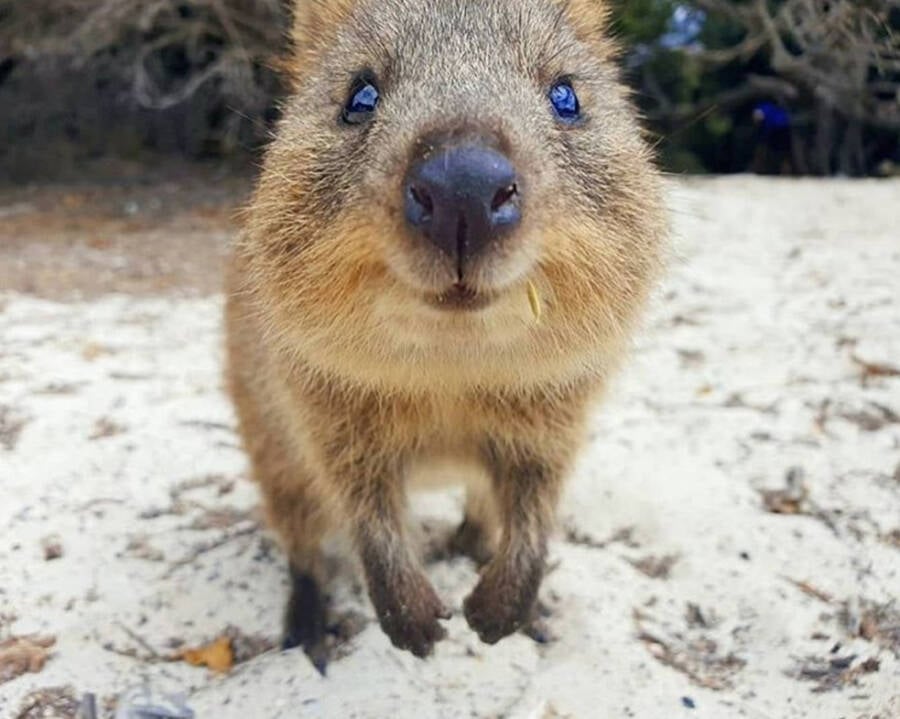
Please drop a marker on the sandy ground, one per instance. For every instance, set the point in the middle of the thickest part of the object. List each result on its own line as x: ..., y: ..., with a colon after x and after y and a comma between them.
x: 729, y: 546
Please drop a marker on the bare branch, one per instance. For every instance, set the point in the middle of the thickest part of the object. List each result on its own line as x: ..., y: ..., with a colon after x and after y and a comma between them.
x: 841, y: 52
x: 756, y: 86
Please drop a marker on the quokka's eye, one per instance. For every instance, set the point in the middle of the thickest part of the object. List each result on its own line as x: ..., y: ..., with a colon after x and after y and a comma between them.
x: 362, y: 103
x: 565, y: 101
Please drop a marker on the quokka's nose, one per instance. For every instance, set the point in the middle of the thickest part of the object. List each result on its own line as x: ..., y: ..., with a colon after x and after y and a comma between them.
x: 462, y: 199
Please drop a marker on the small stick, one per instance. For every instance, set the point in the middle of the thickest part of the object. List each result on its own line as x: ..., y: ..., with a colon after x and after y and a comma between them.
x: 534, y: 300
x: 151, y: 652
x: 205, y: 547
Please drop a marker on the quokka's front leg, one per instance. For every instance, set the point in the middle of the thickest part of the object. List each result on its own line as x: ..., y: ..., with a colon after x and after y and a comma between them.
x: 371, y: 478
x: 527, y: 487
x: 407, y: 606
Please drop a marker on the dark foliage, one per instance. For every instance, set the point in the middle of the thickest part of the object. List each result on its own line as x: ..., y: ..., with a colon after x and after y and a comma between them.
x: 776, y: 86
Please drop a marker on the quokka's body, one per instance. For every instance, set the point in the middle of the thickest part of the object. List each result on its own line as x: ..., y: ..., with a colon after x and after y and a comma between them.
x: 455, y: 231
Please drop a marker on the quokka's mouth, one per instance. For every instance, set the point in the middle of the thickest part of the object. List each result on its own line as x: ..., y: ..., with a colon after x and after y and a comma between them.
x: 461, y: 298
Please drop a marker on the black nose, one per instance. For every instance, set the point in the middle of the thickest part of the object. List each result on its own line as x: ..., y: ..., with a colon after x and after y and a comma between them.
x: 462, y: 199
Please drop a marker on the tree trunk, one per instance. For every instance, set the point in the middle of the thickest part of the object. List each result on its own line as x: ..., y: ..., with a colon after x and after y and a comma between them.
x: 824, y: 139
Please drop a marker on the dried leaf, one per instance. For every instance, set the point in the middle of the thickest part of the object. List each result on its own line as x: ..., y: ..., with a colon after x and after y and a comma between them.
x: 708, y: 670
x: 780, y: 501
x: 217, y: 656
x: 23, y: 655
x: 792, y: 499
x: 53, y: 547
x: 655, y: 567
x: 695, y: 655
x: 833, y: 674
x: 873, y: 370
x: 105, y: 427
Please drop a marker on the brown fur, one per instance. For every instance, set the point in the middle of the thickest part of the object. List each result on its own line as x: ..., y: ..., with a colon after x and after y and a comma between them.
x: 346, y: 379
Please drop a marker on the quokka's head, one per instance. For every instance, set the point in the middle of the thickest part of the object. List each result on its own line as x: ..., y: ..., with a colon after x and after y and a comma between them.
x: 446, y: 171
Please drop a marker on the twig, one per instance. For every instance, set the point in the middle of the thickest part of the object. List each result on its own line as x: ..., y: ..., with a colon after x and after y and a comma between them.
x: 151, y: 652
x: 206, y: 547
x: 810, y: 591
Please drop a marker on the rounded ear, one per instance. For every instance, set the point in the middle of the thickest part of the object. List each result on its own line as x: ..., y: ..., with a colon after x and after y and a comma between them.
x: 315, y: 23
x: 590, y: 19
x: 315, y: 18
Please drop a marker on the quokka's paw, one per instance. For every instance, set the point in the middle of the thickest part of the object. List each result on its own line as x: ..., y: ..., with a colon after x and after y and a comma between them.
x: 501, y: 604
x: 410, y: 614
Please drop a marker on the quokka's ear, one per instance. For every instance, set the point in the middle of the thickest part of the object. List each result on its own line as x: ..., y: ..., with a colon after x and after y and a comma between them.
x: 591, y: 20
x: 315, y: 23
x: 316, y: 20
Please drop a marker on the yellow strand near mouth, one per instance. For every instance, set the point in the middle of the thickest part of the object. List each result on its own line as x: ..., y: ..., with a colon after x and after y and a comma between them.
x: 534, y: 299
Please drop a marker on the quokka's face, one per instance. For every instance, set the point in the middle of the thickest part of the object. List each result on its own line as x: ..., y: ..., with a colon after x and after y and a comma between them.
x: 443, y: 156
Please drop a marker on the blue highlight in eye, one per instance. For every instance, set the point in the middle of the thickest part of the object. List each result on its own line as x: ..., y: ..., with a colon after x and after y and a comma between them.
x: 365, y: 97
x: 365, y: 100
x: 565, y: 101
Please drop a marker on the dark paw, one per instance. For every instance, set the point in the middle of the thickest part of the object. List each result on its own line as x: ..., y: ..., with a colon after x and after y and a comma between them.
x: 306, y: 620
x: 409, y: 614
x: 499, y: 606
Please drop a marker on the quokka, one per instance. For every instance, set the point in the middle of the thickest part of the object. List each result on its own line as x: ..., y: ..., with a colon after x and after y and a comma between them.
x: 456, y: 228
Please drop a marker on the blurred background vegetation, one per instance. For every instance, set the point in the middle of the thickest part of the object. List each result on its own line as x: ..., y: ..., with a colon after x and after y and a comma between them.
x: 769, y: 86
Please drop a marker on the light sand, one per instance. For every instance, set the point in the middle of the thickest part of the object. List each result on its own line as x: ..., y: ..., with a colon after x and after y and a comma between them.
x: 115, y: 437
